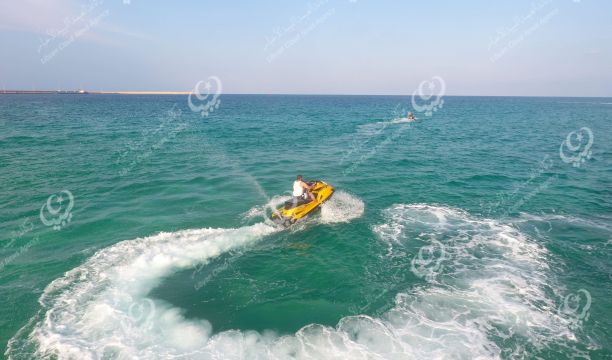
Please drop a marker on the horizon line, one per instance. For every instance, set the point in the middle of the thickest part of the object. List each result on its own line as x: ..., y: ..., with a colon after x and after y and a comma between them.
x: 106, y: 92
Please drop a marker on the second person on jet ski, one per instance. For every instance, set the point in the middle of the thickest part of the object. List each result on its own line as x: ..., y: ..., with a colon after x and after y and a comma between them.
x: 301, y: 189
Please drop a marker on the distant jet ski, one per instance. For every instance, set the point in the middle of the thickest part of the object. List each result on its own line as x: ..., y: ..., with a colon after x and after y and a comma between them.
x: 299, y: 208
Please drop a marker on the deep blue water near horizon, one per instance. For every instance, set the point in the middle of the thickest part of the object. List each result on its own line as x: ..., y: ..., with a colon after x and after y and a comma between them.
x: 459, y: 235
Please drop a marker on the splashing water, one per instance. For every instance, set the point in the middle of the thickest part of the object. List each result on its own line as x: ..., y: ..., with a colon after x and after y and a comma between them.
x: 101, y: 307
x: 487, y: 289
x: 341, y: 208
x: 264, y: 211
x: 487, y: 286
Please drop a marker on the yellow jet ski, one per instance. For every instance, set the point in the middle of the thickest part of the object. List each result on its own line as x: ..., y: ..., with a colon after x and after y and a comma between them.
x: 299, y: 208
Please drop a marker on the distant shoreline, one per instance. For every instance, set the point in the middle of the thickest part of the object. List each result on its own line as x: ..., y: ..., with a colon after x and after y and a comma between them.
x: 143, y: 92
x: 83, y: 92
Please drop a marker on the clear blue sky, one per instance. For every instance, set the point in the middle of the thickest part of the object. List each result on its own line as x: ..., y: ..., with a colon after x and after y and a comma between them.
x: 484, y: 47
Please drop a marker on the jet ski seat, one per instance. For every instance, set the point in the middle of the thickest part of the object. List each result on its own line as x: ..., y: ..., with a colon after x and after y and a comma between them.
x: 294, y: 202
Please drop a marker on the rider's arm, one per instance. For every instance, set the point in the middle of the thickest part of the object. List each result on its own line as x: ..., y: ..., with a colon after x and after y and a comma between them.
x: 306, y: 186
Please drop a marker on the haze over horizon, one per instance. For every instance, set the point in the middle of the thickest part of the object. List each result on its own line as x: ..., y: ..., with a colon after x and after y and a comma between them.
x: 352, y: 47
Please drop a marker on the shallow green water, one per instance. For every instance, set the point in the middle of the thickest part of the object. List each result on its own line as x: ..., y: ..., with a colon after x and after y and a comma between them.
x: 462, y: 234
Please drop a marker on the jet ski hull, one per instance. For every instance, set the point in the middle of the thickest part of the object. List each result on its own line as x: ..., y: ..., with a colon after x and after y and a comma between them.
x: 295, y: 209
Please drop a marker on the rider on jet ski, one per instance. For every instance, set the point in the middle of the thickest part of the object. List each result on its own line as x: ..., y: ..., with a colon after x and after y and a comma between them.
x: 301, y: 189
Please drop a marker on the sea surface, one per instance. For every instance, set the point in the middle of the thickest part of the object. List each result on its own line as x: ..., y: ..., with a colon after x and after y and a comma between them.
x: 133, y: 227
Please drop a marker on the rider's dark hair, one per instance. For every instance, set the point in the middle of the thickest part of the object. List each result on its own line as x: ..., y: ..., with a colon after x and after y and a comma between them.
x: 299, y: 177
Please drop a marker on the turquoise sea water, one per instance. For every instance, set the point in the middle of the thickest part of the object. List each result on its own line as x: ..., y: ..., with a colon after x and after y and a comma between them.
x: 478, y: 232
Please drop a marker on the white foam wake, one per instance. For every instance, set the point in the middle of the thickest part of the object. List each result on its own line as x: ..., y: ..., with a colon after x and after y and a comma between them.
x: 488, y: 286
x: 101, y: 310
x: 401, y: 121
x: 342, y: 207
x: 483, y: 284
x: 373, y: 129
x: 264, y: 211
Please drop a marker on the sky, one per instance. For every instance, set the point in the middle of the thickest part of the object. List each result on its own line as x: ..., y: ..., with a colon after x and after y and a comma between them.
x: 479, y: 47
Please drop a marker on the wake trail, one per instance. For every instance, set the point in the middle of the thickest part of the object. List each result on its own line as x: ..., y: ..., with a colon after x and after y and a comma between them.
x: 101, y: 309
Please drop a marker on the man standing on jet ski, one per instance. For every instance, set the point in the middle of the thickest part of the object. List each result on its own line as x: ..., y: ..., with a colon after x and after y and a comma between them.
x: 300, y: 189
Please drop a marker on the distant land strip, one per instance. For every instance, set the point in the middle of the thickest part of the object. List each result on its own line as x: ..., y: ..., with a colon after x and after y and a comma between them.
x: 82, y: 92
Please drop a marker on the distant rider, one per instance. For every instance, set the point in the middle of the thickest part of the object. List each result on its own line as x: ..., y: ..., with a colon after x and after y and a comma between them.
x: 410, y: 116
x: 300, y: 188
